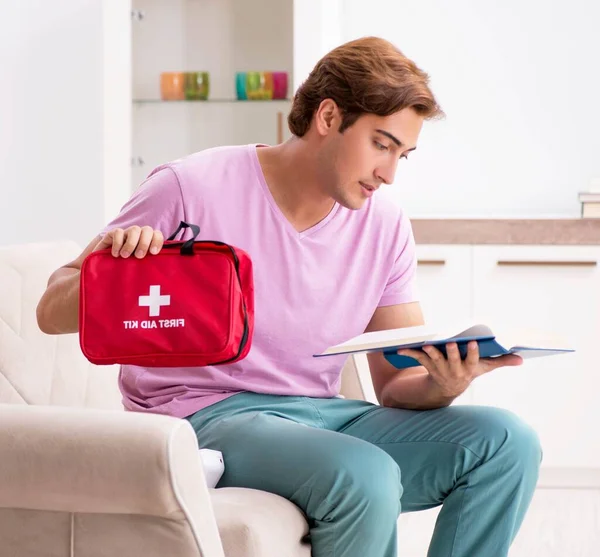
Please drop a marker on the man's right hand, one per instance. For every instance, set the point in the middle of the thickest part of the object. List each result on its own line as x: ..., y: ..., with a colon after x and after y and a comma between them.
x: 57, y: 310
x: 135, y: 240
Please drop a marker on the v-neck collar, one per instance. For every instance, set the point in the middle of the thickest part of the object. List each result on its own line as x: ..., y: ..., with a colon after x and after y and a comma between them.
x: 276, y: 209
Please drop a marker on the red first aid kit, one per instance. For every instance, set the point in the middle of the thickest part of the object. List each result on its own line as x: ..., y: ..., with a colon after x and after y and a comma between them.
x: 192, y: 304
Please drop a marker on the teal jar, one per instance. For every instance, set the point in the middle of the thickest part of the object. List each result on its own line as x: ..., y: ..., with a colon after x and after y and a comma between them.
x: 240, y: 86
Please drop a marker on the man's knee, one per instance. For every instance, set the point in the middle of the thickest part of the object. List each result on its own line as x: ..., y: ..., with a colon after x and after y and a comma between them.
x: 507, y: 434
x: 360, y: 477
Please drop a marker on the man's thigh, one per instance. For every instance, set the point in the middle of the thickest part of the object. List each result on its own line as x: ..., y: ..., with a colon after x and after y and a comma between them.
x: 299, y: 462
x: 433, y: 448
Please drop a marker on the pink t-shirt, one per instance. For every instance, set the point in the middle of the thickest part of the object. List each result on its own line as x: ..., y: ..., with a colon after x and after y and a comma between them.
x: 312, y: 289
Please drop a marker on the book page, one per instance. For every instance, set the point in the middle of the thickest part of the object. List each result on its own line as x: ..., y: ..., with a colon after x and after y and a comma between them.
x: 405, y: 335
x: 474, y: 331
x: 389, y: 337
x: 513, y: 337
x: 528, y: 353
x: 529, y: 337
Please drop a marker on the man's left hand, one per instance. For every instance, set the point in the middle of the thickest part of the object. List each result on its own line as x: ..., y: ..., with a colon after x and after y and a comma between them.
x: 452, y: 376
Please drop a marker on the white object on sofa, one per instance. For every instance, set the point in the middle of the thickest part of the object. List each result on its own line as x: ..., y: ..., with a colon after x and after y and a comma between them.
x: 213, y: 465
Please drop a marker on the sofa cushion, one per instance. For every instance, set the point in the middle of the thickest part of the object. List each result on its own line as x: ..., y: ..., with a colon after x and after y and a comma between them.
x: 255, y: 523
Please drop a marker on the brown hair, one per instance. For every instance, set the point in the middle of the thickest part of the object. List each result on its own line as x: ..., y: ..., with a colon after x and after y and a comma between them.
x: 368, y: 75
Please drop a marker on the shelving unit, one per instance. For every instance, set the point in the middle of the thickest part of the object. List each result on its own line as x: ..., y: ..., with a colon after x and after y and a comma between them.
x: 221, y: 37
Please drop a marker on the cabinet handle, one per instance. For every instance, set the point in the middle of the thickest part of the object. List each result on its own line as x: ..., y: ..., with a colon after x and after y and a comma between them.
x: 431, y: 262
x: 138, y: 15
x: 518, y: 263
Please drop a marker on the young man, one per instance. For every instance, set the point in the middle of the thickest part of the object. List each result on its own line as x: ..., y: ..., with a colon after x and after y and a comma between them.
x: 331, y: 260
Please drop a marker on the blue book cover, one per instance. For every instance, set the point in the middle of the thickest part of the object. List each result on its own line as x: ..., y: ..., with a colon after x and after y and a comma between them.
x: 390, y: 341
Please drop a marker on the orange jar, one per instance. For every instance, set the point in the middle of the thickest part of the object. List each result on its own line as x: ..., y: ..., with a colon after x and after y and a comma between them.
x: 172, y: 86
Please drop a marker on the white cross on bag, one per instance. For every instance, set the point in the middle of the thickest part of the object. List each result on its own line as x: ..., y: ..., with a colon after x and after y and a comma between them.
x: 154, y: 301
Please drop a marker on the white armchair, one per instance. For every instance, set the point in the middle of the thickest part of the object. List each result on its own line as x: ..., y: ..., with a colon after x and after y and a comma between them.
x: 79, y: 477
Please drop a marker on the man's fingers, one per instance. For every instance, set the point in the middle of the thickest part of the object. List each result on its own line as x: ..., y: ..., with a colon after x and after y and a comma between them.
x: 508, y: 360
x: 453, y: 354
x: 472, y: 353
x: 146, y: 235
x: 157, y: 242
x: 513, y: 360
x: 134, y: 240
x: 118, y: 237
x: 435, y: 355
x: 132, y: 237
x: 502, y: 361
x: 420, y: 356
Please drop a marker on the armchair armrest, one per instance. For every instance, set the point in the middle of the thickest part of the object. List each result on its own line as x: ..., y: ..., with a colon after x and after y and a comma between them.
x: 104, y: 461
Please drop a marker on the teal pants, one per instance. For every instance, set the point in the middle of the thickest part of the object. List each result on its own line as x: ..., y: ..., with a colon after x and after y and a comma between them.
x: 353, y: 466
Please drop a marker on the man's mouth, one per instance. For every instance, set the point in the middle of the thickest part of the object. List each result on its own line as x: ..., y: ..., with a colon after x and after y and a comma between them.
x: 368, y: 188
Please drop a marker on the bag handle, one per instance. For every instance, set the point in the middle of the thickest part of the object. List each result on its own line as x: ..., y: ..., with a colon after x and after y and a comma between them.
x: 188, y: 246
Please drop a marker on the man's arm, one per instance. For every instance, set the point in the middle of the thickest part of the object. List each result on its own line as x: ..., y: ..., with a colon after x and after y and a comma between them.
x: 412, y: 387
x: 58, y: 309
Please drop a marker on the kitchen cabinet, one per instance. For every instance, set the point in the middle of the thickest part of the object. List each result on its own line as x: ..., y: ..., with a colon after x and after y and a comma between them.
x: 444, y: 279
x: 530, y: 293
x: 553, y: 289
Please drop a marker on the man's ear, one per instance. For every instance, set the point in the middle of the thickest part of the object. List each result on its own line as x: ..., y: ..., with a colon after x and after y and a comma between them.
x: 328, y: 117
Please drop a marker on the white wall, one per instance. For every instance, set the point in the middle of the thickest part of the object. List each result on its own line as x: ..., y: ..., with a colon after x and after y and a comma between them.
x: 317, y: 29
x: 50, y: 105
x: 519, y: 82
x: 64, y: 151
x: 117, y: 105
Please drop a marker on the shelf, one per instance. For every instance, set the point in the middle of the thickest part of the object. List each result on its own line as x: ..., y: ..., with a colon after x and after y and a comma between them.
x: 221, y: 101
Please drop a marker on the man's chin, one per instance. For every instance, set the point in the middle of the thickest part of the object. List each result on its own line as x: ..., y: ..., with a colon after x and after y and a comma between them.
x: 353, y: 204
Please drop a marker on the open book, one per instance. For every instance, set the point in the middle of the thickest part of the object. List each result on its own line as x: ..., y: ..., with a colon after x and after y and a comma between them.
x: 390, y: 341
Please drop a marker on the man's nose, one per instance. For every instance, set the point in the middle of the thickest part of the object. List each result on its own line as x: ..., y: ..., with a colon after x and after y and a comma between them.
x: 386, y: 173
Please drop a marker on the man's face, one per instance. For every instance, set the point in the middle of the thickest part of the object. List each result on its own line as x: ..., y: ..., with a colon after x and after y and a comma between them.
x: 356, y: 162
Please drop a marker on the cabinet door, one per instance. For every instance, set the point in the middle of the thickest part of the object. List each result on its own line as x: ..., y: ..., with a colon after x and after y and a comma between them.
x: 555, y: 290
x: 444, y: 279
x: 444, y: 283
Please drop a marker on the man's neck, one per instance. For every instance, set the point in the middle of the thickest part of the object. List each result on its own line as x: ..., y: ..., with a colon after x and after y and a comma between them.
x: 291, y: 175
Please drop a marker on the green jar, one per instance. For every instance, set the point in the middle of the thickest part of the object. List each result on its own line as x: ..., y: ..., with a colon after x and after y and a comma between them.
x: 196, y: 85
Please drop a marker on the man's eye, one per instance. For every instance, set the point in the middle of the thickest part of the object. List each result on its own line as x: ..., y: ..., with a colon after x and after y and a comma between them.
x: 380, y: 146
x: 405, y: 157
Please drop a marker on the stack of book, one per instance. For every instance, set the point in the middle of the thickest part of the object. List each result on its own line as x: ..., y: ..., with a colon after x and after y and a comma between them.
x: 590, y: 204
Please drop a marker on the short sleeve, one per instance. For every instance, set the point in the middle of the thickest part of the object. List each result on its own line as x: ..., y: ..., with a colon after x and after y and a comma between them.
x: 157, y: 202
x: 401, y: 287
